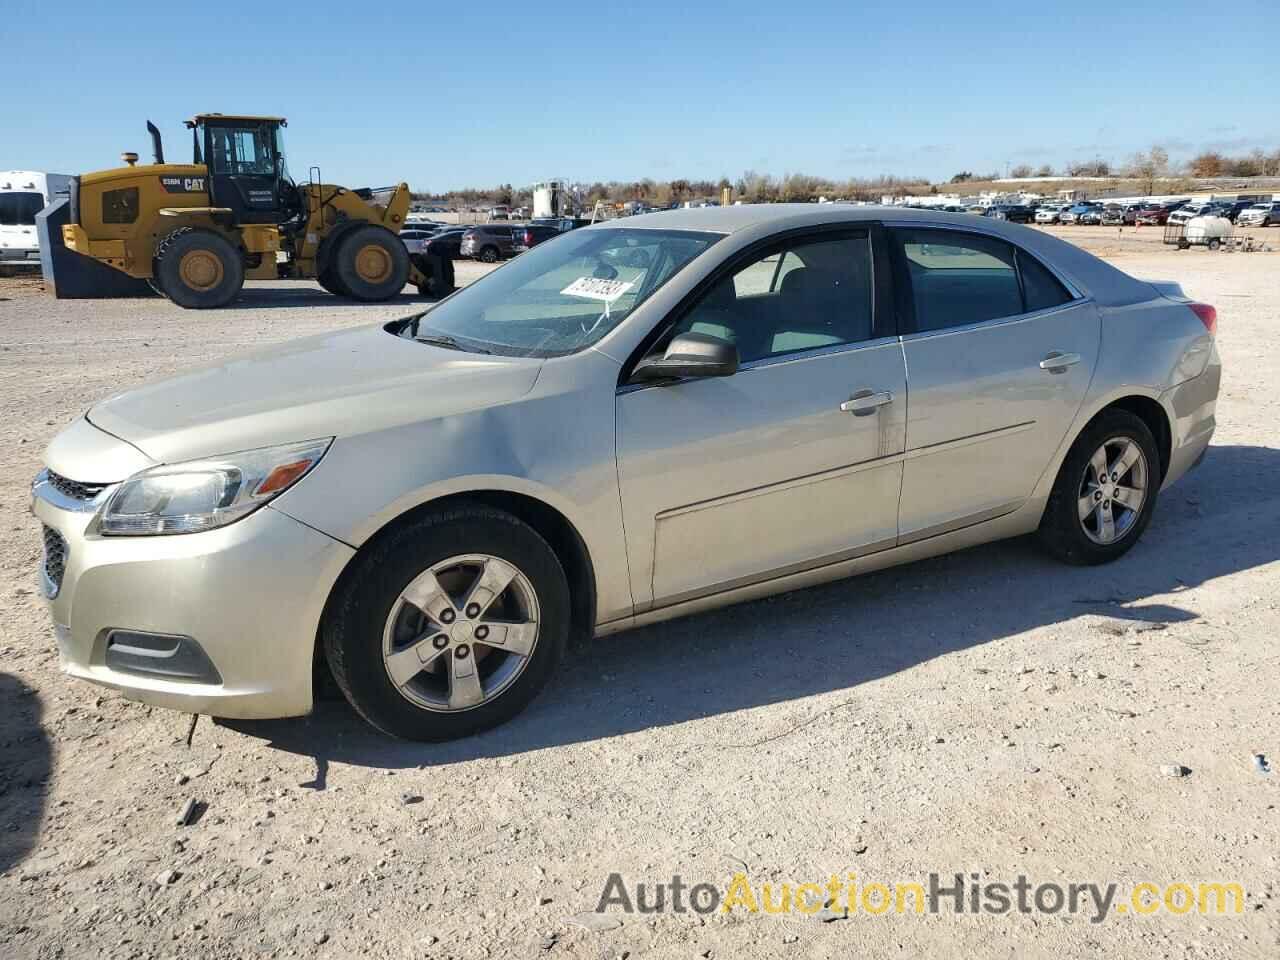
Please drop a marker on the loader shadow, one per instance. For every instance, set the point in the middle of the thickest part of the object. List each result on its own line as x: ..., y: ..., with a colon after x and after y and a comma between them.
x: 844, y: 634
x: 25, y: 762
x: 303, y: 294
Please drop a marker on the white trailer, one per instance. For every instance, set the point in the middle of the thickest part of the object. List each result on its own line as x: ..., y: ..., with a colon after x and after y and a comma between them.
x: 23, y: 194
x: 550, y: 199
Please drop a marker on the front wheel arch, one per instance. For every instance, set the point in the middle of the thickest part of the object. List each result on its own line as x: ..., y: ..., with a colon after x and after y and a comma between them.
x: 550, y: 523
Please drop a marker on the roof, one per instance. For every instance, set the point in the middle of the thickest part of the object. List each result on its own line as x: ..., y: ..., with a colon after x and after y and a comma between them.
x: 1109, y: 286
x: 231, y: 116
x: 734, y: 219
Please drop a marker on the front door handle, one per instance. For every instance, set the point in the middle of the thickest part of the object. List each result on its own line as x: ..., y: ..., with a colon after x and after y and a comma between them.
x: 1057, y: 362
x: 866, y: 401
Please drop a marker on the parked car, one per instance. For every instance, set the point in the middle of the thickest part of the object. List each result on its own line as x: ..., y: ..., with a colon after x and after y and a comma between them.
x: 1260, y: 215
x: 1157, y: 214
x: 413, y: 238
x: 561, y: 223
x: 1072, y: 213
x: 532, y: 234
x: 488, y: 243
x: 1014, y: 213
x: 1091, y: 215
x: 1189, y: 211
x: 447, y: 243
x: 1237, y: 207
x: 500, y: 212
x: 1113, y: 213
x: 1048, y: 213
x: 602, y: 438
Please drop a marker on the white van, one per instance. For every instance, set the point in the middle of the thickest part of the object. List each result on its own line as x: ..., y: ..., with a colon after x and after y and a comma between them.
x: 23, y: 194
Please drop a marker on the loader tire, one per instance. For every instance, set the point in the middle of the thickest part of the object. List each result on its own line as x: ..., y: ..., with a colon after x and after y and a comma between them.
x: 371, y: 263
x: 198, y: 269
x: 329, y: 280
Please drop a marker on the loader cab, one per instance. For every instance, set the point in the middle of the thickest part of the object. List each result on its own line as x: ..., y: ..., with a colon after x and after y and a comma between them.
x: 246, y: 162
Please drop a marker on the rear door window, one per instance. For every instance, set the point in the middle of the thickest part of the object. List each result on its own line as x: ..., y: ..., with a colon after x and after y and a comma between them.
x: 955, y: 278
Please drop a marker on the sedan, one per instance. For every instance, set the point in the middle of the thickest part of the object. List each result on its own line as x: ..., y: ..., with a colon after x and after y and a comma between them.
x: 645, y: 418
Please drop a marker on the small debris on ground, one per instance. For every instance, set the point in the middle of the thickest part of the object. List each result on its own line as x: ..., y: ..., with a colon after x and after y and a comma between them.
x: 595, y: 922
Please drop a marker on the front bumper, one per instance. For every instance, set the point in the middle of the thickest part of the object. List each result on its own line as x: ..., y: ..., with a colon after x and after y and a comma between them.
x: 11, y: 256
x: 249, y: 595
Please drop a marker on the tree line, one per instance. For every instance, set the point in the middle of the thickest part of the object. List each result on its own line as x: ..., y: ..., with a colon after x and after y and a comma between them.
x: 1153, y: 163
x: 752, y: 187
x: 1147, y: 167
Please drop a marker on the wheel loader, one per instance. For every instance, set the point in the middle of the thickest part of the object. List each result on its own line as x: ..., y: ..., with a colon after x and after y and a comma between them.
x: 196, y: 231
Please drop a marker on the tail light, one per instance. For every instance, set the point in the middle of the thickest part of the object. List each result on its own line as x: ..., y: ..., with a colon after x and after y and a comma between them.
x: 1208, y: 316
x: 526, y: 237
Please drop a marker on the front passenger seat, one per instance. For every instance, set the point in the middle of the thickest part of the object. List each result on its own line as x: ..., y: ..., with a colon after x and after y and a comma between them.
x: 814, y: 306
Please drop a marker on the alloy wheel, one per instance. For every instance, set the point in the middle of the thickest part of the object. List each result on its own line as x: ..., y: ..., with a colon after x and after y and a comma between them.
x: 1112, y: 490
x: 460, y: 633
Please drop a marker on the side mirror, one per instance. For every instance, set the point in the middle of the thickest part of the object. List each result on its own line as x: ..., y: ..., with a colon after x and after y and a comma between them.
x: 690, y: 355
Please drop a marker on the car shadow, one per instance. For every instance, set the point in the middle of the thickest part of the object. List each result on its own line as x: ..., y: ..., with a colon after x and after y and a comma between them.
x: 851, y: 632
x: 25, y: 762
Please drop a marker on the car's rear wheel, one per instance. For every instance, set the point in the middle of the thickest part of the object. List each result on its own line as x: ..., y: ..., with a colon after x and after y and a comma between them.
x: 1105, y: 491
x: 489, y: 255
x: 450, y: 625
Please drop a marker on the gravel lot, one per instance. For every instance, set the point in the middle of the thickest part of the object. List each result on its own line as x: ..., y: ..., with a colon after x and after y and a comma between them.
x: 989, y: 712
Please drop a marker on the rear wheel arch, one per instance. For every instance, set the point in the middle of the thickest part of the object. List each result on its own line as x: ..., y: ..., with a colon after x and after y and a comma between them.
x: 1156, y: 419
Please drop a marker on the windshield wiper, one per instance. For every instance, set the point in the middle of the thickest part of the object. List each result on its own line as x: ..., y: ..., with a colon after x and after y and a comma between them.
x: 448, y: 342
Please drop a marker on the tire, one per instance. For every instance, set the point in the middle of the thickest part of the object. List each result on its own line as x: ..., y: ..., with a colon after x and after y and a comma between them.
x: 1082, y: 540
x: 369, y: 621
x: 331, y: 283
x: 370, y: 264
x: 156, y: 288
x: 1214, y: 244
x: 198, y: 269
x: 489, y: 255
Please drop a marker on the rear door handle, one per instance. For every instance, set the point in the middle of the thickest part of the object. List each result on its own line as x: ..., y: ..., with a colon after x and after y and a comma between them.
x: 1055, y: 361
x: 866, y: 401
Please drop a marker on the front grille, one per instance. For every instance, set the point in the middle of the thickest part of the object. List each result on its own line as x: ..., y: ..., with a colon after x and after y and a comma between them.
x: 74, y: 488
x: 55, y: 557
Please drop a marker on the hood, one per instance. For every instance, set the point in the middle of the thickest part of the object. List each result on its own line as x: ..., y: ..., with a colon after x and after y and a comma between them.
x: 332, y: 385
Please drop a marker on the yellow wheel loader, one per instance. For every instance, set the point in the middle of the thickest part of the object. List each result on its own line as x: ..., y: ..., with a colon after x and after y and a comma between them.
x: 195, y: 231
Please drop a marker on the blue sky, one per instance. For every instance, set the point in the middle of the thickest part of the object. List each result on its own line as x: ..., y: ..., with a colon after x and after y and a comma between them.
x: 475, y: 94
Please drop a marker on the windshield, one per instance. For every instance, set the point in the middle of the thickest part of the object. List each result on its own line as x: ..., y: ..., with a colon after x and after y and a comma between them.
x: 248, y: 149
x: 20, y: 209
x: 564, y: 294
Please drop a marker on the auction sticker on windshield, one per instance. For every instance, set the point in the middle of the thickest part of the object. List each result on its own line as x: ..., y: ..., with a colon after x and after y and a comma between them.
x: 595, y: 288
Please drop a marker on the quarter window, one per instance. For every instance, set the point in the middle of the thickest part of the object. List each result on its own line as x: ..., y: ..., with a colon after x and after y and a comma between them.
x: 1040, y: 288
x: 956, y: 278
x: 799, y: 296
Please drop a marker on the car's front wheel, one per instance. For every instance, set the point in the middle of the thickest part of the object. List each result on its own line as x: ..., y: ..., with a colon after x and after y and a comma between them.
x: 1105, y: 491
x: 450, y: 625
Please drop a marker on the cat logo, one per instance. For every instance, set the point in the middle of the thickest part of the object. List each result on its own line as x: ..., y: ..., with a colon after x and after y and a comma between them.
x: 182, y: 184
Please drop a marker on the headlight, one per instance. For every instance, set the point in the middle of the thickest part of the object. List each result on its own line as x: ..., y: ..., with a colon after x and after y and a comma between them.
x: 203, y: 494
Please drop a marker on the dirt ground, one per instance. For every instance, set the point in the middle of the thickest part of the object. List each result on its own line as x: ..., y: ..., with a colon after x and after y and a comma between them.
x: 989, y: 713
